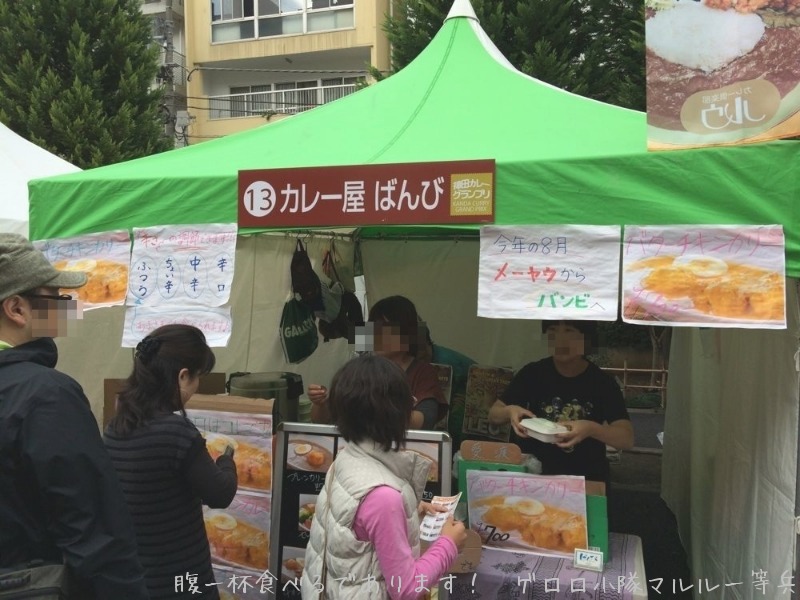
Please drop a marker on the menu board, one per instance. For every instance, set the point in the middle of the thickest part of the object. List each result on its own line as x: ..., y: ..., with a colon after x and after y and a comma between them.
x: 303, y: 454
x: 524, y: 512
x: 238, y: 536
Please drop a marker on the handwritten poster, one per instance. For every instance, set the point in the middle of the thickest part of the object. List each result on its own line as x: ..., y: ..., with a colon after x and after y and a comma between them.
x: 549, y: 272
x: 187, y: 265
x: 104, y: 257
x: 535, y: 513
x: 215, y: 323
x: 181, y: 274
x: 711, y: 276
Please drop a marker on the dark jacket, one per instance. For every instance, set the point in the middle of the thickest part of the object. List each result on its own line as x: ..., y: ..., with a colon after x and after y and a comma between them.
x: 59, y: 493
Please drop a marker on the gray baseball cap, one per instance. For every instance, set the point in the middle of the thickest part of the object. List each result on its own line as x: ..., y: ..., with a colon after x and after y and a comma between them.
x: 24, y: 268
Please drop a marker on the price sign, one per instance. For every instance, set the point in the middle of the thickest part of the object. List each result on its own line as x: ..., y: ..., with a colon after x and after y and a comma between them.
x: 591, y: 560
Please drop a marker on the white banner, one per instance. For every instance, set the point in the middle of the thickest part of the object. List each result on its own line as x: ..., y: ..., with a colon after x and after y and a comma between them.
x: 215, y: 323
x: 549, y: 272
x: 711, y: 276
x: 187, y: 265
x: 104, y: 257
x: 181, y: 274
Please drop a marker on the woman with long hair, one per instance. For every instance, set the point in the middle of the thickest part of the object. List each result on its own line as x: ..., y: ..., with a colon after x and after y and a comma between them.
x: 163, y: 465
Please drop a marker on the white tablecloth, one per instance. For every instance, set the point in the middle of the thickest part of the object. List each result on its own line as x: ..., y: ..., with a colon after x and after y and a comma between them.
x: 505, y: 575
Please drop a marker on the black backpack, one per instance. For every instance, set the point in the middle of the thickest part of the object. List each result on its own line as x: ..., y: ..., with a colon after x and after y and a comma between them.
x: 305, y: 282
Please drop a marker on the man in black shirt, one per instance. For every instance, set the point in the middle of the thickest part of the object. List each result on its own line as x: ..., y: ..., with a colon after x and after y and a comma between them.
x: 568, y: 389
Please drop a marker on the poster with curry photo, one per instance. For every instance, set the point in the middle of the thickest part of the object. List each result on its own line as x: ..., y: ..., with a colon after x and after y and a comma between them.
x: 104, y: 257
x: 708, y: 276
x: 545, y: 514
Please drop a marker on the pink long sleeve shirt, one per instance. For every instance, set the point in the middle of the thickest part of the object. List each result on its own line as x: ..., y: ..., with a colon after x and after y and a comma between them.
x: 381, y: 519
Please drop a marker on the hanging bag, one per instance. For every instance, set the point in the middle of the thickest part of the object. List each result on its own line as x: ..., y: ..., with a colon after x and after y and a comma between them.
x: 336, y: 268
x: 350, y: 313
x: 298, y: 333
x: 298, y: 329
x: 305, y: 282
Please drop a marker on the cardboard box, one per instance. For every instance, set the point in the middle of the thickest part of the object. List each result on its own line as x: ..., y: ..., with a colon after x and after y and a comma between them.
x: 498, y: 452
x: 470, y: 556
x: 212, y: 383
x: 234, y: 404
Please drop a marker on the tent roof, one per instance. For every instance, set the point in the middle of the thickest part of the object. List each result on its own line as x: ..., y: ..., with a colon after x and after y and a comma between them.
x: 21, y: 161
x: 560, y: 158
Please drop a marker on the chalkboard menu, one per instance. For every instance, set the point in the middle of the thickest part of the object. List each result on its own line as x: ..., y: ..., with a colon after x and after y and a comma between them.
x: 302, y: 456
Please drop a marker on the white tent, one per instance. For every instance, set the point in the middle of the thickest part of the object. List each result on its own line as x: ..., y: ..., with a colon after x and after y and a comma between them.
x: 21, y: 161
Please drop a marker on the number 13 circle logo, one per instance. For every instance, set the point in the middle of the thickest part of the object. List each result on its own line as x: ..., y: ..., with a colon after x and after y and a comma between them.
x: 259, y: 198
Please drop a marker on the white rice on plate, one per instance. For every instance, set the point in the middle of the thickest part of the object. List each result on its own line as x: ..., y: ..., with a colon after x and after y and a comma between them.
x: 698, y: 37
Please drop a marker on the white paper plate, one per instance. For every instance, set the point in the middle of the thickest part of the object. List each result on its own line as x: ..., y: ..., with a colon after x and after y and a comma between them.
x: 543, y: 429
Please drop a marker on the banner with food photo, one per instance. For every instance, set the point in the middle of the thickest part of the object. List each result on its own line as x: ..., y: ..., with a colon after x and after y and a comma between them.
x: 549, y: 272
x: 250, y: 436
x: 310, y: 452
x: 239, y: 535
x: 721, y: 71
x: 707, y: 276
x: 525, y: 512
x: 292, y: 565
x: 104, y: 257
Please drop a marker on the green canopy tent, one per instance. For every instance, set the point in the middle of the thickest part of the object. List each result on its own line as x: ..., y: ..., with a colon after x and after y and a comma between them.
x: 559, y: 158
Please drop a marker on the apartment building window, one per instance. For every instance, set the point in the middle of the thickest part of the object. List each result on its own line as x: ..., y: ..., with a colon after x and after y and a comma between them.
x: 328, y: 14
x: 233, y: 20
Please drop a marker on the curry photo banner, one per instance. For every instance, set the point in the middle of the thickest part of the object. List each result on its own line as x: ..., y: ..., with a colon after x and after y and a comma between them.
x: 722, y: 71
x: 708, y: 276
x: 104, y: 257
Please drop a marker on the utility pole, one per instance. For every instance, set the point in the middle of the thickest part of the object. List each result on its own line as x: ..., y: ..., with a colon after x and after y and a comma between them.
x: 169, y: 72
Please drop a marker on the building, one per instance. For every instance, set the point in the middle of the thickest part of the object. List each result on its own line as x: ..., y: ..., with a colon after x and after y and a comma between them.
x: 167, y: 18
x: 250, y: 62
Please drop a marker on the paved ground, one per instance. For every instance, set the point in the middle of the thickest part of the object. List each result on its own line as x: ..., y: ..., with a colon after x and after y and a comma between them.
x: 635, y: 506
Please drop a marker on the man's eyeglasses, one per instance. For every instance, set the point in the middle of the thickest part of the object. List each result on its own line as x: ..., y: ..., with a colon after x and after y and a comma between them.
x: 47, y: 296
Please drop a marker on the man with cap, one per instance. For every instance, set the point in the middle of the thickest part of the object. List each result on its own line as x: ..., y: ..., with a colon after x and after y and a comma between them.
x: 60, y: 499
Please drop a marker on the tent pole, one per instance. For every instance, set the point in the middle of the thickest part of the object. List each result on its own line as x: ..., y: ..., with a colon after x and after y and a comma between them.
x: 794, y: 593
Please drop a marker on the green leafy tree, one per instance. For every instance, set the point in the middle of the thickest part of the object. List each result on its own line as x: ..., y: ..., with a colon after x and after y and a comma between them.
x: 76, y: 77
x: 590, y: 47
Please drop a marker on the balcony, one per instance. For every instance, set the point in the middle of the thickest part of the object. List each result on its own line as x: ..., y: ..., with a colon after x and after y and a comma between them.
x: 274, y: 102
